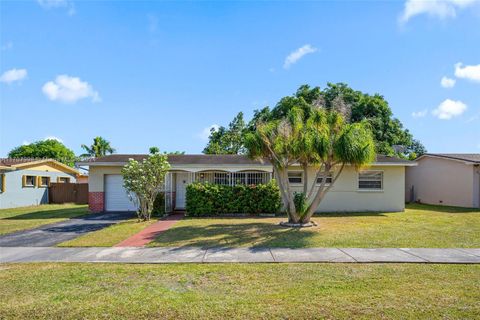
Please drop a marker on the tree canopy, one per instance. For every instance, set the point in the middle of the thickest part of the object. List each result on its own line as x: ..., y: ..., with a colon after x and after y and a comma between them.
x: 99, y: 148
x: 228, y: 140
x: 50, y: 148
x: 390, y: 137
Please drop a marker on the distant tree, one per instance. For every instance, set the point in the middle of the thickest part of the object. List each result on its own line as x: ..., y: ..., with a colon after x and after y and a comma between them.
x: 154, y: 150
x: 100, y: 147
x: 143, y: 179
x: 50, y: 148
x: 228, y: 140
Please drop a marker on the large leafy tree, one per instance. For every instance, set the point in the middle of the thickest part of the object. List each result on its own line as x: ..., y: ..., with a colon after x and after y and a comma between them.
x: 309, y: 134
x: 143, y: 181
x: 228, y: 140
x: 389, y: 135
x: 99, y: 148
x: 50, y: 148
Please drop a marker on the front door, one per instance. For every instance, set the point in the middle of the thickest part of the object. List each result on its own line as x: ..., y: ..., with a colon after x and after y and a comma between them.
x: 181, y: 190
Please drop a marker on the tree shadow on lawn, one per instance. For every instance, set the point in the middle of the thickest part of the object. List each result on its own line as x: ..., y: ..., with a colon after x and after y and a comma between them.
x: 252, y: 234
x: 50, y: 214
x: 350, y: 214
x: 440, y: 208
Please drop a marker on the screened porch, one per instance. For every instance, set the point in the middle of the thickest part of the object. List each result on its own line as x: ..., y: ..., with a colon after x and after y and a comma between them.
x: 177, y: 181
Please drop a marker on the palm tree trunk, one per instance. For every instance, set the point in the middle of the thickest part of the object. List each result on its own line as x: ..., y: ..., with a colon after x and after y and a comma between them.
x: 322, y: 191
x: 305, y: 179
x: 293, y: 216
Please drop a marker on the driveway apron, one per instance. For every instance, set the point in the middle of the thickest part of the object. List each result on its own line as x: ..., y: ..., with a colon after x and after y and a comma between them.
x: 55, y: 233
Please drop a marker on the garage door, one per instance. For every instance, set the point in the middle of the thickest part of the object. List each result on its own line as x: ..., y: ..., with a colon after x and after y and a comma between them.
x: 116, y: 198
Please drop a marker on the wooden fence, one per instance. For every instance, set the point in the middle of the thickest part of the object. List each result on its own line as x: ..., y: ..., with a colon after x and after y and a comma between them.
x: 68, y: 193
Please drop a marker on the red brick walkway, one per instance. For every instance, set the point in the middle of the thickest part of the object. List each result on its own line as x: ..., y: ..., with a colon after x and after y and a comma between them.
x: 149, y: 233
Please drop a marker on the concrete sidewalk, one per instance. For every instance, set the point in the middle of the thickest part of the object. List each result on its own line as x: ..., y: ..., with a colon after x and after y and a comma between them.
x: 241, y: 255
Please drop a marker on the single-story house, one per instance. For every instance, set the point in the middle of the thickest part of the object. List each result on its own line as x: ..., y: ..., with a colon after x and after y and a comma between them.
x: 445, y: 179
x: 25, y: 182
x: 380, y: 187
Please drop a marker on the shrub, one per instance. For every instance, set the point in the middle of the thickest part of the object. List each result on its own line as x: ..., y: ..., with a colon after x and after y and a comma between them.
x: 206, y: 199
x: 159, y: 205
x: 300, y: 201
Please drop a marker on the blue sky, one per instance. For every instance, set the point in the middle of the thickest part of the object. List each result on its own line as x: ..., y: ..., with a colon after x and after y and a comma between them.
x: 157, y: 73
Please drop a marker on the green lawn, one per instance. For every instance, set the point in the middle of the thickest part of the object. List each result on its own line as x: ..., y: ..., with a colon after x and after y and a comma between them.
x: 109, y: 236
x: 418, y: 226
x: 16, y: 219
x: 239, y: 291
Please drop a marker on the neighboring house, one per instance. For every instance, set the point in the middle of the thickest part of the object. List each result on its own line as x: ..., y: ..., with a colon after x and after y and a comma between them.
x: 446, y: 179
x: 378, y: 188
x: 82, y: 178
x: 25, y: 182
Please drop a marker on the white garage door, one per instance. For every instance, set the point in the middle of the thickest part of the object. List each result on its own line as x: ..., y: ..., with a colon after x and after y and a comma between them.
x: 116, y: 198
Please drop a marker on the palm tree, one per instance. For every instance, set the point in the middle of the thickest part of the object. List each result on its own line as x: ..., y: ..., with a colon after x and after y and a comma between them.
x: 99, y: 148
x: 318, y: 138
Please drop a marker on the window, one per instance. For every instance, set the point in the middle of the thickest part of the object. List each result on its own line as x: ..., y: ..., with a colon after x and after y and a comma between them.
x: 221, y: 178
x: 44, y: 181
x: 63, y: 179
x: 295, y: 177
x: 329, y: 179
x: 29, y: 181
x: 370, y: 180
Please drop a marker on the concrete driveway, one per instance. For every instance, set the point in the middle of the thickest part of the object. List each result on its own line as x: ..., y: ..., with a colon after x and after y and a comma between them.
x: 55, y: 233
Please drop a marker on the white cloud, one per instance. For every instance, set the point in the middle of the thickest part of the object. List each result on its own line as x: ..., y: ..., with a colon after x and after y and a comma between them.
x: 25, y: 142
x: 53, y: 138
x: 13, y: 75
x: 449, y: 109
x: 296, y: 55
x: 447, y: 82
x: 467, y: 72
x: 69, y: 90
x: 206, y: 131
x: 52, y: 4
x: 7, y: 46
x: 419, y: 114
x: 441, y: 9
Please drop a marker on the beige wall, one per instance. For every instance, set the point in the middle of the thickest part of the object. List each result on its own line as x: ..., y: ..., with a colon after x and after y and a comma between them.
x: 443, y: 181
x: 345, y: 195
x: 96, y: 177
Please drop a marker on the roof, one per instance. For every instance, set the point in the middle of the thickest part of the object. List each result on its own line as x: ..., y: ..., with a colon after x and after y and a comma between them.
x: 209, y: 159
x: 19, y: 163
x: 392, y: 160
x: 180, y: 159
x: 467, y: 157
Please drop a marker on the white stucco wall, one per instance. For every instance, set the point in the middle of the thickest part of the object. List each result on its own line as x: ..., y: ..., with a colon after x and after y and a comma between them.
x: 96, y: 177
x: 345, y: 195
x: 443, y: 181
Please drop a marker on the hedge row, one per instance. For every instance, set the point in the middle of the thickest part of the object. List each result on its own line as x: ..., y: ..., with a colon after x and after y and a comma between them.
x: 206, y: 199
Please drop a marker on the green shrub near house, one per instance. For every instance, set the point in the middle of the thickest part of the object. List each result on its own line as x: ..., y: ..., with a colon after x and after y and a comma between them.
x: 206, y: 199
